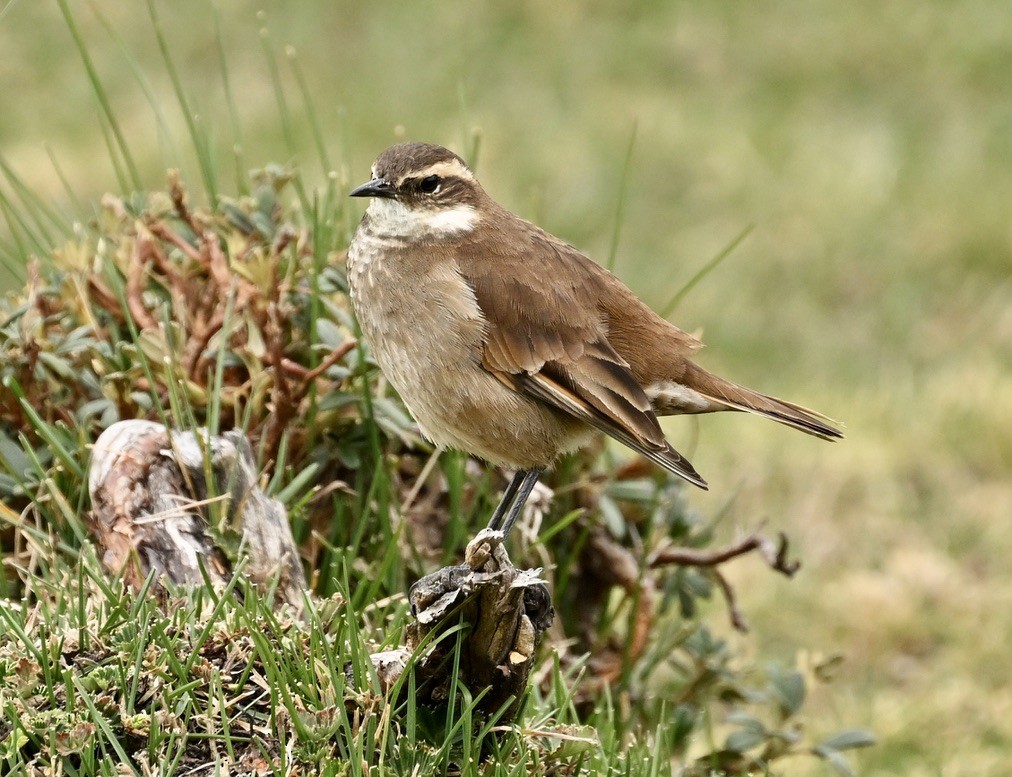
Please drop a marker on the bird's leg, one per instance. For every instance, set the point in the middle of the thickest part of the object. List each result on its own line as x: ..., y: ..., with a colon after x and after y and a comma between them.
x: 507, y: 499
x: 513, y: 500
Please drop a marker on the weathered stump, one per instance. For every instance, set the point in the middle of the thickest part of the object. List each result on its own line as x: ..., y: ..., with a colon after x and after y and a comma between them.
x: 507, y: 611
x: 153, y: 495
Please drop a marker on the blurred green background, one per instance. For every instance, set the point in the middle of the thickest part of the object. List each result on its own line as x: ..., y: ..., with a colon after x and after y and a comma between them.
x: 870, y: 145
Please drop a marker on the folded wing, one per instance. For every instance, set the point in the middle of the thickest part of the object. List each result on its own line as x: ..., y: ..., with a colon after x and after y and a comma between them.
x: 545, y: 339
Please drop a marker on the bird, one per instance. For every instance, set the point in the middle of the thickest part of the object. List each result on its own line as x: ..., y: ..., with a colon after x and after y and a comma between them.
x: 511, y: 345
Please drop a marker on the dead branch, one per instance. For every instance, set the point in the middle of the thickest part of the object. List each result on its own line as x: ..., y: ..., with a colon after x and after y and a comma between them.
x: 102, y: 296
x: 331, y: 359
x: 775, y: 554
x: 738, y: 620
x: 200, y: 336
x: 179, y: 202
x: 217, y: 263
x: 135, y: 284
x: 162, y: 230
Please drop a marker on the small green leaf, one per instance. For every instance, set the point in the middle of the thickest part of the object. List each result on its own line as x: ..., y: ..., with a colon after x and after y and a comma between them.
x: 641, y: 490
x: 848, y: 740
x: 58, y: 366
x: 298, y: 483
x: 718, y: 762
x: 263, y: 224
x: 13, y: 458
x: 744, y: 739
x: 11, y: 746
x: 613, y: 517
x: 836, y: 759
x: 697, y: 585
x: 254, y: 338
x: 386, y: 409
x: 789, y: 688
x: 103, y: 408
x: 330, y: 333
x: 683, y: 721
x: 573, y: 741
x: 747, y: 721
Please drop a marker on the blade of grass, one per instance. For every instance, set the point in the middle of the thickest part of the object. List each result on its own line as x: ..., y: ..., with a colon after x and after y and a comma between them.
x: 100, y: 720
x: 11, y: 259
x: 35, y: 238
x: 705, y: 270
x: 242, y: 186
x: 180, y: 408
x: 297, y: 484
x: 220, y: 600
x: 346, y: 220
x: 165, y: 135
x: 114, y: 156
x: 35, y: 207
x: 474, y: 152
x: 115, y: 280
x: 199, y: 138
x: 68, y: 190
x: 14, y: 626
x: 20, y: 251
x: 470, y: 136
x: 218, y: 378
x: 622, y: 191
x: 321, y: 220
x: 558, y: 526
x: 44, y: 430
x: 284, y: 114
x: 102, y: 97
x: 307, y: 102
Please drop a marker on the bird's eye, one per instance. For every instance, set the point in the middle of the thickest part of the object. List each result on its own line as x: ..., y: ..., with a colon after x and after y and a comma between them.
x: 429, y: 184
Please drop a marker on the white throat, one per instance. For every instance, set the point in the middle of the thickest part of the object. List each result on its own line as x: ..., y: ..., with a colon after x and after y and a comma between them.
x: 389, y: 218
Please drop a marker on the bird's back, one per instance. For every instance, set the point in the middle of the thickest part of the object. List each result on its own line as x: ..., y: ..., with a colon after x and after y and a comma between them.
x: 551, y: 289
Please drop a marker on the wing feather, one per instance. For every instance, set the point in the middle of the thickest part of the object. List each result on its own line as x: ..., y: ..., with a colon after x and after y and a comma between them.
x: 546, y: 337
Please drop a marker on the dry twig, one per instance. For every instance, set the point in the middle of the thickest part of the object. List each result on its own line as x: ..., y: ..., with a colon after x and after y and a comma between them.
x: 775, y: 555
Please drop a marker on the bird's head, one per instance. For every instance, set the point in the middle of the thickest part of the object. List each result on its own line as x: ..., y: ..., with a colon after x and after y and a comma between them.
x: 423, y: 191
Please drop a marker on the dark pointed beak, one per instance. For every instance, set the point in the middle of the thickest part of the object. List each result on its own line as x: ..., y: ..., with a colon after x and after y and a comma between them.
x: 377, y: 187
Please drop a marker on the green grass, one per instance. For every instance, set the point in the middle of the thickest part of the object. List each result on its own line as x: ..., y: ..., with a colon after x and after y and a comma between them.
x: 869, y: 146
x: 115, y: 678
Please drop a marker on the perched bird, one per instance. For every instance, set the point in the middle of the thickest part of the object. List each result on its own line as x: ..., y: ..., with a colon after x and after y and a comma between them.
x: 508, y: 343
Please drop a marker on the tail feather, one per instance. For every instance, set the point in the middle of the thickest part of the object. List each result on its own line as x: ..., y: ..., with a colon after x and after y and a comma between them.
x: 735, y: 397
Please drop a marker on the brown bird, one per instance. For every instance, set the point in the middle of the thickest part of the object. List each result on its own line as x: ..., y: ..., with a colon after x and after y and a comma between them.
x: 508, y: 343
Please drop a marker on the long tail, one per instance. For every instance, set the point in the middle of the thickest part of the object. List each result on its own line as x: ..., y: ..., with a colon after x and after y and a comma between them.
x: 734, y: 397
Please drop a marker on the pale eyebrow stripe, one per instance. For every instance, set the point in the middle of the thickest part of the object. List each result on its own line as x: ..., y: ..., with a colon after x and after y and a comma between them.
x: 452, y: 168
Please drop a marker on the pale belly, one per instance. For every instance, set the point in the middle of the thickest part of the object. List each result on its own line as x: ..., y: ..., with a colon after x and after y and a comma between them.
x: 425, y: 330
